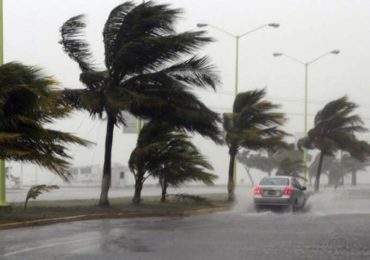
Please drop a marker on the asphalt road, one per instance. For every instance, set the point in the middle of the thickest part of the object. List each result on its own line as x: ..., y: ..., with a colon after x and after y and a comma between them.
x: 335, y: 225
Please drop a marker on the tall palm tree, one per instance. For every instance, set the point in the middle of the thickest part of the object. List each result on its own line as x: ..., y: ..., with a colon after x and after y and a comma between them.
x: 146, y: 73
x: 254, y: 125
x: 29, y: 102
x: 164, y: 153
x: 334, y: 129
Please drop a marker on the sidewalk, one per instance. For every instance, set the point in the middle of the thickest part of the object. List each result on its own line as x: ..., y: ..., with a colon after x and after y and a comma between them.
x: 78, y: 193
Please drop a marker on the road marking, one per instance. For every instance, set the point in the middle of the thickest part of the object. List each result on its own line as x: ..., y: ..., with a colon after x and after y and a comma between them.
x: 47, y: 246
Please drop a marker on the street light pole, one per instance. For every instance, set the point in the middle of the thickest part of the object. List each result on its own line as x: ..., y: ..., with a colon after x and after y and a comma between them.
x: 237, y: 38
x: 306, y: 65
x: 2, y: 162
x: 236, y: 64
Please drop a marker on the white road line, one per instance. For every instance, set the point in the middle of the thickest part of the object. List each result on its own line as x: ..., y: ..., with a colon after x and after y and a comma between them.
x: 47, y: 246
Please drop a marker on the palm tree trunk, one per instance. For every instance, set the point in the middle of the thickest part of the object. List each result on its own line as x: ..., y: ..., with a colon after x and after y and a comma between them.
x: 249, y: 174
x: 107, y: 168
x: 230, y: 184
x: 318, y: 174
x: 139, y: 181
x: 354, y: 178
x: 164, y: 190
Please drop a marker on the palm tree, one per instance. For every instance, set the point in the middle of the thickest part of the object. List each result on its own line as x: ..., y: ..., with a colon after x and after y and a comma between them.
x: 352, y: 165
x: 290, y: 161
x: 265, y: 163
x: 254, y: 125
x: 28, y: 102
x: 146, y: 73
x: 164, y: 153
x: 334, y: 129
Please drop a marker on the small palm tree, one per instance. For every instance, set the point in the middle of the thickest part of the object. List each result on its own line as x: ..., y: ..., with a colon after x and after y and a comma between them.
x: 334, y: 129
x: 164, y: 153
x: 254, y: 125
x: 28, y: 102
x: 147, y: 73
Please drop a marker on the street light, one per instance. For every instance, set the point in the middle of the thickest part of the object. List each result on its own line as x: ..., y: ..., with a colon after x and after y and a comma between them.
x: 237, y: 37
x: 305, y: 64
x: 3, y: 203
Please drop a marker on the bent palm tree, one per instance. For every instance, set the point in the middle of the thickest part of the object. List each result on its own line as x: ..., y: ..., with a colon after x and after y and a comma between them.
x: 28, y: 102
x: 334, y: 129
x: 163, y: 153
x: 145, y: 73
x: 254, y: 125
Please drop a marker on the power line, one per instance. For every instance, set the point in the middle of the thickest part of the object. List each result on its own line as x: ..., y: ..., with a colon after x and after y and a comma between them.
x: 291, y: 100
x: 228, y: 109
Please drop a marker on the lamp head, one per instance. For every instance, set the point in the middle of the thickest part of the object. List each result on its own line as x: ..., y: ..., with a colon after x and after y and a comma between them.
x: 277, y: 54
x: 335, y: 52
x: 274, y: 25
x: 200, y: 25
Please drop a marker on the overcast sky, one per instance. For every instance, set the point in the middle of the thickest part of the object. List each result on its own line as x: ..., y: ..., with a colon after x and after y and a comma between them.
x: 308, y: 29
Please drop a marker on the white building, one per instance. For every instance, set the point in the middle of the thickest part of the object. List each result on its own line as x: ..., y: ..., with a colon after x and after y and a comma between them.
x: 92, y: 174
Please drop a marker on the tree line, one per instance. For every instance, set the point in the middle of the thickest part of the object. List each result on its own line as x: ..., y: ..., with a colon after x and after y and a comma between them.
x: 151, y: 72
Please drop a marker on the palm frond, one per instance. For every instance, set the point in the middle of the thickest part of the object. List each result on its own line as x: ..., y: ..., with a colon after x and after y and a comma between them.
x: 74, y: 44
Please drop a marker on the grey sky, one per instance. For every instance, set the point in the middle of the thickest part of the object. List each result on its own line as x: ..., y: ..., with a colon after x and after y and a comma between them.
x: 308, y: 29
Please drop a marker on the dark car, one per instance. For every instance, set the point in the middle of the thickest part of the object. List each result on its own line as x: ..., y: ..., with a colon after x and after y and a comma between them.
x: 281, y: 191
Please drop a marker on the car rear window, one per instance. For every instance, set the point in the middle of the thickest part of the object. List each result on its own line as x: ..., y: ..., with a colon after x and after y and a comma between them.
x: 275, y: 181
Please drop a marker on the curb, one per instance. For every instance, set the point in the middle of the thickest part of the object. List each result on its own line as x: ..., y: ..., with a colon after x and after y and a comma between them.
x: 118, y: 215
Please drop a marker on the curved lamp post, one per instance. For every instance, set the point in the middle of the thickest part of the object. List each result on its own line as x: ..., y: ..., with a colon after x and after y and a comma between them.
x: 305, y: 64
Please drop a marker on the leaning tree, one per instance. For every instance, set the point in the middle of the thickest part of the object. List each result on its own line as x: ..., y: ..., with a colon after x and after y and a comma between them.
x: 150, y: 71
x: 262, y: 161
x: 253, y: 124
x: 29, y: 102
x: 335, y: 128
x: 164, y: 153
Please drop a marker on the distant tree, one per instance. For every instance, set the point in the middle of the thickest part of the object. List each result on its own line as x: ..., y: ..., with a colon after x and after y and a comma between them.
x: 290, y: 161
x: 352, y: 165
x: 29, y: 103
x: 166, y: 154
x: 147, y: 73
x: 262, y: 161
x: 254, y: 125
x: 334, y: 129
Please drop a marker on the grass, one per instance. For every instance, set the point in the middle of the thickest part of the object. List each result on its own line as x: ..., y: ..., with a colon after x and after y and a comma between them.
x: 150, y: 205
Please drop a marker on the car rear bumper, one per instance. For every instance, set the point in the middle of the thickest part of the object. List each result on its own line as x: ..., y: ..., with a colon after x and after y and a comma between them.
x: 270, y: 201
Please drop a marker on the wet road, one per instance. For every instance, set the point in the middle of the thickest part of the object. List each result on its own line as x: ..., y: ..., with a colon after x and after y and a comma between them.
x: 336, y: 226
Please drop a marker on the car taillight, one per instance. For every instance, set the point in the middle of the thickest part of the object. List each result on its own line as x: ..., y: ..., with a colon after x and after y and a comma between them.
x: 288, y: 191
x: 257, y: 190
